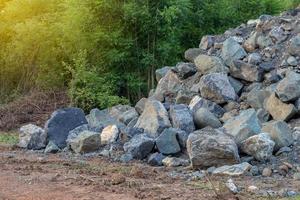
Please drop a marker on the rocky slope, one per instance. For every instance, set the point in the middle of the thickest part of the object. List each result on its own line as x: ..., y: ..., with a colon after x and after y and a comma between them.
x: 232, y: 108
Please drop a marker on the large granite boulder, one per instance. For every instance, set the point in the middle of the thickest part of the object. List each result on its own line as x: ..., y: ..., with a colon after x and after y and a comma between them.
x: 246, y: 71
x: 232, y: 51
x: 182, y: 118
x: 61, y: 123
x: 86, y: 142
x: 140, y: 146
x: 203, y: 118
x: 167, y: 143
x: 209, y: 147
x: 259, y: 146
x: 32, y: 137
x: 197, y: 102
x: 279, y: 132
x: 210, y: 64
x: 288, y: 88
x: 243, y: 126
x: 216, y: 87
x: 154, y: 119
x: 279, y: 110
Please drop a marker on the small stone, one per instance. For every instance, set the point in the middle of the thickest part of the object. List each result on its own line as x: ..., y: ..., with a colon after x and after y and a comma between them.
x: 267, y: 172
x: 233, y: 170
x: 231, y: 51
x: 288, y: 88
x: 231, y: 186
x: 254, y: 59
x: 252, y: 189
x: 283, y: 150
x: 197, y: 102
x: 295, y: 46
x: 292, y: 61
x: 174, y: 162
x: 109, y: 134
x: 262, y: 115
x: 254, y: 171
x: 210, y: 64
x: 185, y: 70
x: 182, y: 118
x: 283, y: 170
x: 156, y: 159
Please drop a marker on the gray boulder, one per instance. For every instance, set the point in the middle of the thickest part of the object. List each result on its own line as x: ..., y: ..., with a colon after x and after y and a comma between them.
x: 191, y: 54
x: 210, y: 64
x: 254, y: 59
x: 232, y: 51
x: 182, y: 118
x: 246, y: 71
x: 209, y: 147
x: 61, y: 123
x: 279, y: 132
x: 139, y: 146
x: 154, y: 119
x: 216, y: 87
x: 156, y: 159
x: 185, y: 70
x: 86, y: 142
x: 207, y: 42
x: 174, y: 162
x: 237, y: 85
x: 160, y: 73
x: 100, y: 118
x: 294, y: 48
x: 233, y: 170
x: 256, y: 97
x: 128, y: 116
x: 259, y: 146
x: 140, y: 105
x: 167, y: 142
x: 279, y: 110
x: 288, y: 88
x: 110, y: 134
x: 243, y: 126
x: 203, y: 118
x: 182, y: 137
x: 32, y: 137
x: 184, y: 97
x: 197, y: 102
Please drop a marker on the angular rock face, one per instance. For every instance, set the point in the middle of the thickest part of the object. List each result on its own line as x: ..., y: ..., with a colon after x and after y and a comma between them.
x: 237, y: 85
x: 191, y: 54
x: 209, y: 147
x: 32, y: 137
x: 185, y: 70
x: 51, y: 148
x: 167, y: 142
x: 233, y: 170
x: 109, y: 134
x: 169, y: 84
x: 86, y: 142
x: 210, y: 64
x: 216, y: 87
x: 140, y: 105
x: 182, y: 118
x: 279, y: 110
x: 257, y: 97
x: 61, y: 122
x: 207, y: 42
x: 259, y: 146
x: 139, y: 146
x: 174, y: 162
x: 288, y: 89
x: 154, y: 119
x: 100, y: 118
x: 243, y: 126
x: 295, y: 46
x: 204, y: 118
x: 279, y: 132
x: 160, y: 73
x: 246, y: 71
x: 156, y: 159
x: 197, y: 102
x: 232, y: 51
x: 128, y: 116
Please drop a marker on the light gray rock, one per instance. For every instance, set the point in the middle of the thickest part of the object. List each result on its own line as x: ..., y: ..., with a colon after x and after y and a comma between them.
x: 216, y: 87
x: 279, y: 132
x: 86, y: 142
x: 262, y: 115
x: 191, y: 54
x: 210, y: 64
x: 110, y: 134
x: 207, y: 42
x: 100, y: 118
x: 292, y: 61
x: 256, y: 98
x: 232, y: 51
x: 154, y: 119
x: 277, y: 34
x: 209, y: 147
x: 263, y: 41
x: 294, y: 48
x: 279, y: 110
x: 182, y: 118
x: 233, y: 170
x: 254, y: 59
x: 288, y: 88
x: 128, y: 115
x: 174, y: 162
x: 231, y: 186
x: 61, y: 123
x: 243, y: 126
x: 197, y: 102
x: 184, y: 97
x: 246, y: 71
x: 259, y: 146
x: 167, y: 142
x: 203, y: 118
x: 51, y: 148
x: 117, y: 111
x: 32, y: 137
x: 140, y: 146
x: 185, y: 70
x: 160, y: 73
x: 140, y: 105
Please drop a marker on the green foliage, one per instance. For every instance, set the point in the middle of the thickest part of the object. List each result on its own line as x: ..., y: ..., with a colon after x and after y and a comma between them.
x: 9, y: 138
x: 106, y: 51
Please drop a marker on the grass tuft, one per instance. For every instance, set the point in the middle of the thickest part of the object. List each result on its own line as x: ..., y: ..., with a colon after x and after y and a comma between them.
x: 9, y: 138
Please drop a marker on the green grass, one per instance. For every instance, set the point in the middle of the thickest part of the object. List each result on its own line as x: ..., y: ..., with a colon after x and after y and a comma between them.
x: 9, y: 138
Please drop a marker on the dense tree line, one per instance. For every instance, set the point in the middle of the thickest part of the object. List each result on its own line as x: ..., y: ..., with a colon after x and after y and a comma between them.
x: 106, y: 51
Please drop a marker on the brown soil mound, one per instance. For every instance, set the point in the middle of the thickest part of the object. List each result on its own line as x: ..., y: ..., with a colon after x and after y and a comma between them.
x: 35, y: 108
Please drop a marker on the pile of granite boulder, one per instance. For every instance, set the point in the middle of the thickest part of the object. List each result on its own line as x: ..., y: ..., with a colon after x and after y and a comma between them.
x: 234, y: 98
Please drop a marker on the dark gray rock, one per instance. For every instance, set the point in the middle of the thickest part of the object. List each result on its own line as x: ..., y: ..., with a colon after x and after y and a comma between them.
x: 185, y: 70
x: 262, y: 115
x: 167, y: 142
x: 232, y: 51
x: 128, y: 116
x: 182, y: 118
x: 295, y: 46
x: 182, y: 137
x: 156, y: 159
x: 140, y: 146
x: 216, y: 87
x: 32, y: 137
x: 209, y: 147
x: 257, y: 97
x: 197, y: 102
x: 184, y: 97
x: 174, y: 162
x: 288, y: 88
x: 237, y: 85
x: 100, y: 118
x: 254, y: 59
x: 203, y: 118
x: 160, y: 73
